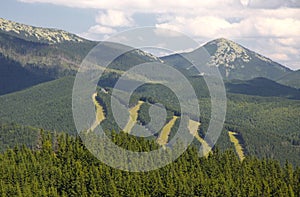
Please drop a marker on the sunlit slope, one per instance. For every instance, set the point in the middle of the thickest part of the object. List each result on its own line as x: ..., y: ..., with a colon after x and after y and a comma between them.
x: 193, y: 127
x: 238, y: 147
x: 133, y: 115
x: 100, y: 116
x: 164, y: 135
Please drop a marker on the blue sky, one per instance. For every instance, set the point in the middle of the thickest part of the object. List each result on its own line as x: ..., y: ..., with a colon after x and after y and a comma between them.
x: 270, y: 27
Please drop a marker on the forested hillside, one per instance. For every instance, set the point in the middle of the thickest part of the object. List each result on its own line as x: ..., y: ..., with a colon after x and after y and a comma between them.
x: 63, y: 167
x: 268, y: 127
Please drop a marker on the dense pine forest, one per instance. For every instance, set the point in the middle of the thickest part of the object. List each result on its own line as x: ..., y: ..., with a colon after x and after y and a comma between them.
x: 61, y: 166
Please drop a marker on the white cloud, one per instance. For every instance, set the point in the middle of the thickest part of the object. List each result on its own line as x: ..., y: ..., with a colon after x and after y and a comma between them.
x: 137, y: 5
x: 212, y: 27
x: 114, y: 18
x: 98, y: 29
x: 207, y: 26
x: 279, y: 56
x: 273, y: 3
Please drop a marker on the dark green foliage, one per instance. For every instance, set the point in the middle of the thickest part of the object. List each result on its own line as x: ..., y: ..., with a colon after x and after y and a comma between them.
x: 14, y: 77
x: 52, y: 60
x: 262, y: 87
x: 48, y: 106
x: 269, y: 126
x: 12, y: 135
x: 143, y: 113
x: 68, y: 169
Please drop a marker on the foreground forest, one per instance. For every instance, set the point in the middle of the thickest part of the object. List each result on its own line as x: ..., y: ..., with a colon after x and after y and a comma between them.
x: 61, y: 166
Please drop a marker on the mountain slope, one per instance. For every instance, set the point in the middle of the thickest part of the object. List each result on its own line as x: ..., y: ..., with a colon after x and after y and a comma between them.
x: 234, y: 61
x: 262, y: 87
x: 37, y: 34
x: 47, y: 105
x: 31, y: 55
x: 36, y: 55
x: 291, y: 79
x: 14, y: 77
x: 269, y: 126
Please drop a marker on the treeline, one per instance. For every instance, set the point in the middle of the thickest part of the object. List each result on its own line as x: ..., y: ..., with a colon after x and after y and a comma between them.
x: 62, y: 166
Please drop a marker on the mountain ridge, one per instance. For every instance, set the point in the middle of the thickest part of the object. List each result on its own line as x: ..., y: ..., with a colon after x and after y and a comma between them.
x: 52, y: 59
x: 291, y: 79
x: 233, y: 60
x: 37, y: 34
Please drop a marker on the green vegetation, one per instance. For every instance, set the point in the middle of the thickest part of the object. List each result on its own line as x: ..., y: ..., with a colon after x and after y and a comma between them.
x: 291, y: 79
x: 269, y: 126
x: 63, y: 167
x: 14, y: 77
x: 47, y: 106
x: 262, y: 123
x: 42, y: 59
x: 12, y: 135
x: 262, y: 87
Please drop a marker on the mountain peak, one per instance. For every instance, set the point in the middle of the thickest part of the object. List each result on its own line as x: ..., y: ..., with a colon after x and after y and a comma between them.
x: 228, y: 51
x: 233, y: 61
x: 37, y: 34
x: 232, y: 50
x: 231, y: 56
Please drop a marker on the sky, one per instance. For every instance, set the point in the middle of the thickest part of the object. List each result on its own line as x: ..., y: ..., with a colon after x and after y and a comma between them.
x: 269, y: 27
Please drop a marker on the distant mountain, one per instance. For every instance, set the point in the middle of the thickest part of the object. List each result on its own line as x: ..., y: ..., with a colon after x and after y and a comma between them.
x: 36, y: 48
x: 31, y: 55
x: 25, y: 63
x: 291, y: 79
x: 37, y: 34
x: 234, y: 61
x: 262, y: 87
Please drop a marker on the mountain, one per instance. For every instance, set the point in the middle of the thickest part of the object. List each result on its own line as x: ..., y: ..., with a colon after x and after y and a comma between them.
x: 14, y: 77
x: 47, y: 105
x: 291, y: 79
x: 233, y: 60
x: 37, y: 34
x: 257, y: 107
x: 262, y: 87
x: 32, y: 55
x: 268, y: 126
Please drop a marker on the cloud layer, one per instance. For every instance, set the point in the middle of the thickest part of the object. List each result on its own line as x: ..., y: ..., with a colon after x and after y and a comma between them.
x: 271, y: 27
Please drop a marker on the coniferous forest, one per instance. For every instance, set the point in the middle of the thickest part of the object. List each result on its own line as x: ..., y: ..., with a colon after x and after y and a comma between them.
x: 60, y: 165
